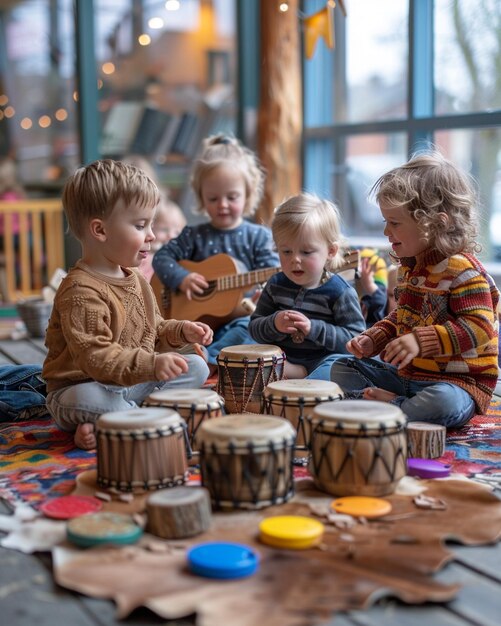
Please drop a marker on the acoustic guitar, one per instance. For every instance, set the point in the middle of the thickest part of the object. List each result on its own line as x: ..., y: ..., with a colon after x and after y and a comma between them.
x: 223, y: 300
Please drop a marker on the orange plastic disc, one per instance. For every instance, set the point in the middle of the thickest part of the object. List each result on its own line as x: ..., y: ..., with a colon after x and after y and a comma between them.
x: 359, y: 506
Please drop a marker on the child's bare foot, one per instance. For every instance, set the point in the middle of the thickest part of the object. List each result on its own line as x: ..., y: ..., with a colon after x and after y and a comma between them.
x: 293, y: 370
x: 85, y: 436
x: 374, y: 393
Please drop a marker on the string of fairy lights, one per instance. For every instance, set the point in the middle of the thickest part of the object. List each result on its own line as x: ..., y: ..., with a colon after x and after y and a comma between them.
x: 320, y: 24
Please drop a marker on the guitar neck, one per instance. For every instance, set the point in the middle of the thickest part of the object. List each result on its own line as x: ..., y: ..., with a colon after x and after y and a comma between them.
x: 240, y: 281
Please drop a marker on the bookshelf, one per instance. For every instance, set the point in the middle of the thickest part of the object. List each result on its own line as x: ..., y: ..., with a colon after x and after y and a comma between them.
x: 169, y: 140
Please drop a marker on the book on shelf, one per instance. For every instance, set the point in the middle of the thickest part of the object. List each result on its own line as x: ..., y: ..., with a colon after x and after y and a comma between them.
x: 151, y: 127
x: 184, y: 135
x: 120, y: 128
x: 164, y: 146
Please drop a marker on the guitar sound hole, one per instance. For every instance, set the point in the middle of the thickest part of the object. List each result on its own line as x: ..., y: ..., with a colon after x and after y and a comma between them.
x: 206, y: 292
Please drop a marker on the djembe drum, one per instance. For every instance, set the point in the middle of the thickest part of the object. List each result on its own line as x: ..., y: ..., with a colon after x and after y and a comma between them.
x: 294, y: 399
x: 358, y: 447
x: 243, y: 373
x: 246, y: 460
x: 141, y: 449
x: 194, y: 405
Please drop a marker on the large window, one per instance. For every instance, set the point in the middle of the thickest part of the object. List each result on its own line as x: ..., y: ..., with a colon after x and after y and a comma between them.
x: 163, y: 75
x: 166, y: 75
x: 405, y: 74
x: 38, y: 112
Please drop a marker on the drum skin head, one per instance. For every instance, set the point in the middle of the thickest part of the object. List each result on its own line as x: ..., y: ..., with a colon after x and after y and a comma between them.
x: 303, y: 388
x: 146, y: 417
x: 251, y: 351
x: 241, y: 429
x: 357, y: 413
x: 185, y: 397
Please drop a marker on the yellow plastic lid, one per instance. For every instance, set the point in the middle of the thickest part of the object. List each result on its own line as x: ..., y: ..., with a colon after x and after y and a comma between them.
x: 359, y: 506
x: 293, y: 532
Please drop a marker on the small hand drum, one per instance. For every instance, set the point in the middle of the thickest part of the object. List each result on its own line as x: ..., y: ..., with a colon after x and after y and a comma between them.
x: 194, y: 405
x: 246, y: 460
x: 141, y: 449
x: 358, y: 447
x: 243, y: 373
x: 294, y: 399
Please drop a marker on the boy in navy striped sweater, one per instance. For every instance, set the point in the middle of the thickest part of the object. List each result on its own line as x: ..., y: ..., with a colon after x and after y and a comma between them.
x: 306, y: 310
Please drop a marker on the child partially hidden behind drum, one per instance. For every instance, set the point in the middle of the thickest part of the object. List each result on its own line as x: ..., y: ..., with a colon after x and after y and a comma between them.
x: 108, y: 346
x: 306, y: 309
x: 438, y: 348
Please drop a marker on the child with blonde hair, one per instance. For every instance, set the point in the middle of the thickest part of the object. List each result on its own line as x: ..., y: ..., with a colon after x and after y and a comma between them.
x: 228, y: 182
x: 108, y: 346
x: 438, y: 348
x: 169, y: 223
x: 306, y: 309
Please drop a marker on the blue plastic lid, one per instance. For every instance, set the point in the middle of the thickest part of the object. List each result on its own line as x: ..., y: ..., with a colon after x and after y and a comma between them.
x: 427, y: 468
x: 222, y: 560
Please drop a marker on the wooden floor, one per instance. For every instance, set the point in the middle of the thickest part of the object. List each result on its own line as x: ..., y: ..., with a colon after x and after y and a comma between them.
x: 28, y: 595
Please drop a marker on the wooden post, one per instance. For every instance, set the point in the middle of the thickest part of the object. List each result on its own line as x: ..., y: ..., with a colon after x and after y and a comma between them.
x: 280, y: 109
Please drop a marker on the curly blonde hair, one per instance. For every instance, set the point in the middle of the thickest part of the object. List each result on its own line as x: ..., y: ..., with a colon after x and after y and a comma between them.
x: 429, y: 185
x: 222, y: 150
x: 319, y: 216
x: 93, y: 191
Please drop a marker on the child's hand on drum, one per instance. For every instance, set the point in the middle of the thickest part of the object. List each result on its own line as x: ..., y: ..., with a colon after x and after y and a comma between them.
x: 360, y: 346
x: 197, y: 332
x: 193, y: 284
x: 169, y: 365
x: 401, y: 351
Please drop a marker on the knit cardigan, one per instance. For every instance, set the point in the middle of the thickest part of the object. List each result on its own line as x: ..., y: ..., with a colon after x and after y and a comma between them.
x: 451, y: 305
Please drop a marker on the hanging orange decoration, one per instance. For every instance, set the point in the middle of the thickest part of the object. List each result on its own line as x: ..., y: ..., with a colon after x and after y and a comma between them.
x: 320, y: 24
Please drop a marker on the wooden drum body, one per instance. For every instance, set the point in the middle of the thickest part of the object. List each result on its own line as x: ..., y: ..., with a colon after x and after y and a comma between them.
x: 246, y: 460
x: 358, y: 447
x: 295, y: 399
x: 141, y: 449
x: 243, y: 373
x: 194, y: 405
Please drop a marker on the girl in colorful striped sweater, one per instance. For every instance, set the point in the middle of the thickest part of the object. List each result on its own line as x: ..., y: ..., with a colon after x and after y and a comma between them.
x: 438, y: 349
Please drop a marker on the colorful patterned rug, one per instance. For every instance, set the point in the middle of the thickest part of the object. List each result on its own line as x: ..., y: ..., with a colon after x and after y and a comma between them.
x: 37, y: 460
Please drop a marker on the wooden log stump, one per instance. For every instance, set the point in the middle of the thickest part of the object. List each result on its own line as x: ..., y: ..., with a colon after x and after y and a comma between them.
x: 178, y: 512
x: 425, y: 440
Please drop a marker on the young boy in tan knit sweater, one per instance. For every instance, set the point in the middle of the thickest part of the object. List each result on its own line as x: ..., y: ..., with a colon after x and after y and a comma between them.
x: 108, y: 346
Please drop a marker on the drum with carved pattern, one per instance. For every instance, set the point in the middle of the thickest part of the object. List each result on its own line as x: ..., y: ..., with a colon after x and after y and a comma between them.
x: 295, y: 399
x: 141, y: 449
x: 246, y: 460
x: 358, y: 447
x: 194, y: 405
x: 243, y: 373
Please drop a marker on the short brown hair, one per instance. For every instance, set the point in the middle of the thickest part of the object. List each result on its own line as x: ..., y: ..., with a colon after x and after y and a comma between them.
x: 221, y: 150
x: 93, y: 191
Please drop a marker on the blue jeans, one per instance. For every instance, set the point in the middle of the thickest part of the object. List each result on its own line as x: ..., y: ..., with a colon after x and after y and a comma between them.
x: 424, y: 401
x: 234, y: 333
x: 85, y: 402
x: 322, y: 368
x: 22, y: 392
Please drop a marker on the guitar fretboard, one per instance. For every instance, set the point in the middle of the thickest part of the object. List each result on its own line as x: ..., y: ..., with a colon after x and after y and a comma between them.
x: 237, y: 281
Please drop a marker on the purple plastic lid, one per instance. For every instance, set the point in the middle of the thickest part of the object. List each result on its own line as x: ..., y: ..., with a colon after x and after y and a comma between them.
x: 427, y: 468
